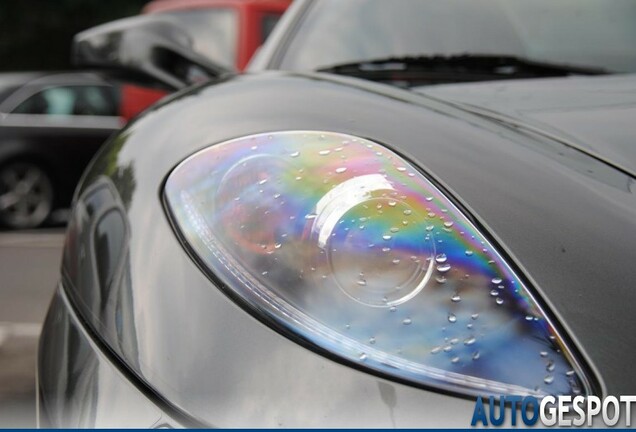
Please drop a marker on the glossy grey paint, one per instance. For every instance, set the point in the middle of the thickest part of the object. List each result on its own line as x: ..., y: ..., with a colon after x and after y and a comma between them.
x: 567, y: 220
x: 153, y: 45
x: 80, y: 386
x: 594, y: 114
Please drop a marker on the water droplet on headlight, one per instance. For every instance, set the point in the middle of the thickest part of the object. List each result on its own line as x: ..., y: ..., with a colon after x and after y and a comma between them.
x: 443, y: 268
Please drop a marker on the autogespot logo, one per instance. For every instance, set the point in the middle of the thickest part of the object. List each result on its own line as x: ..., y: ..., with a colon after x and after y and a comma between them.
x: 553, y: 411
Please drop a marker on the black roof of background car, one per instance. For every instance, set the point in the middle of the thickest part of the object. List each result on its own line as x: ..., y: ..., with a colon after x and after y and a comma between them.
x: 10, y: 82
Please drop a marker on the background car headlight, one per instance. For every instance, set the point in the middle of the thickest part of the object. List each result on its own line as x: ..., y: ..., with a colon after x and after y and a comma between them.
x: 341, y: 242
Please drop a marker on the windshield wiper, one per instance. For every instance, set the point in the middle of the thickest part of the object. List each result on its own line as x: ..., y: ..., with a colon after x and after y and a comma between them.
x: 438, y: 69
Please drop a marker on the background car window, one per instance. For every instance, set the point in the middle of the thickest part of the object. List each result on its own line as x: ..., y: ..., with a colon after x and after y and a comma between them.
x: 592, y: 33
x: 213, y: 31
x: 71, y: 100
x: 268, y: 22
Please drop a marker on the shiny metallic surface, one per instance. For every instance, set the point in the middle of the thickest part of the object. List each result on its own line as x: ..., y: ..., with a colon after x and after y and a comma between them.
x: 565, y: 220
x: 79, y: 387
x: 590, y: 114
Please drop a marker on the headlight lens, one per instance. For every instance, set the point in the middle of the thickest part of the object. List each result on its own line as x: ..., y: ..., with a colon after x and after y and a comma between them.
x: 341, y: 242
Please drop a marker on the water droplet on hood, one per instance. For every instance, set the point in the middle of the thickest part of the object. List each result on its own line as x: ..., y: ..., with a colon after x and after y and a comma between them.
x: 452, y: 318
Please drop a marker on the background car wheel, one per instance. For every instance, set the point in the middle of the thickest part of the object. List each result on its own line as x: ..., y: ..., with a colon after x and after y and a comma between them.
x: 26, y: 195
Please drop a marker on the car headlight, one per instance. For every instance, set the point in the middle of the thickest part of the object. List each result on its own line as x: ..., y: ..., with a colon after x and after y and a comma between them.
x: 341, y: 243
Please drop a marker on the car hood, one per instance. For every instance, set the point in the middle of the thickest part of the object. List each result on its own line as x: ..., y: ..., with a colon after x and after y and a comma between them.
x: 594, y: 114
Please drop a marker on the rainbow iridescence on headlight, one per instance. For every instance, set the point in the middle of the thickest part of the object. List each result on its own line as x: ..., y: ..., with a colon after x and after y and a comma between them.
x: 344, y: 243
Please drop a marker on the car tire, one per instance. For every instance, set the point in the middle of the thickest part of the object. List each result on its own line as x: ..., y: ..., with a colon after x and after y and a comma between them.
x: 26, y: 195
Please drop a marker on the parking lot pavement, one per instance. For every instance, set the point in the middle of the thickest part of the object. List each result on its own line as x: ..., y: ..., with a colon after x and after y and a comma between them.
x: 29, y: 267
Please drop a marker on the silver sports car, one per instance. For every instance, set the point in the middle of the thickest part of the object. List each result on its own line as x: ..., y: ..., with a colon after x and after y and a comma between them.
x: 404, y: 205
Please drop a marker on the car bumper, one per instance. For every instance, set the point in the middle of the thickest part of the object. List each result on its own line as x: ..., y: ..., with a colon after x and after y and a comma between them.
x: 83, y: 384
x: 79, y: 384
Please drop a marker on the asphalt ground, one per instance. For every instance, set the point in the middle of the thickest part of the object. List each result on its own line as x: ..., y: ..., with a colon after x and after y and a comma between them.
x: 29, y: 269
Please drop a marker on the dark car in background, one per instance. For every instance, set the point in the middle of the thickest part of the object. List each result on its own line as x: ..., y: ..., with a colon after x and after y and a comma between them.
x: 51, y: 125
x: 404, y: 205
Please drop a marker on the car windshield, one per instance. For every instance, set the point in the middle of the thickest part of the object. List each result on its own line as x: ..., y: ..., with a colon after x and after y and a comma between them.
x: 587, y: 33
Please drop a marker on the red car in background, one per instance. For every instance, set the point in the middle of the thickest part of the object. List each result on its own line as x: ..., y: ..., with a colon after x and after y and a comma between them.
x: 228, y: 32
